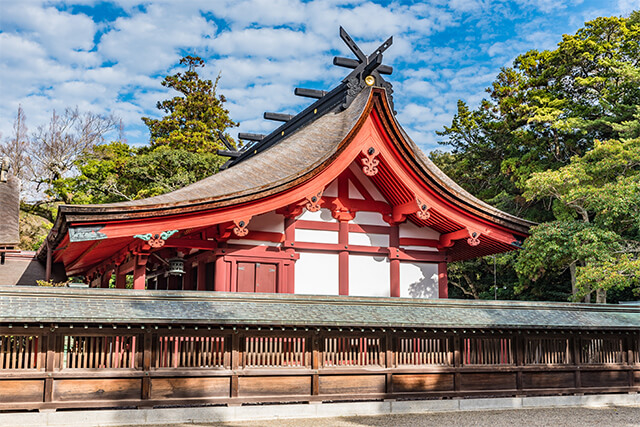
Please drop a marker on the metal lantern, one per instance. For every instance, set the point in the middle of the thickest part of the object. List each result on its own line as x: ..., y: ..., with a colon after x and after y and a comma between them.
x: 176, y: 266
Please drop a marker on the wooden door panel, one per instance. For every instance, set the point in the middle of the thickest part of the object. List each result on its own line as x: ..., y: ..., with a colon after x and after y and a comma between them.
x: 266, y: 277
x: 246, y: 277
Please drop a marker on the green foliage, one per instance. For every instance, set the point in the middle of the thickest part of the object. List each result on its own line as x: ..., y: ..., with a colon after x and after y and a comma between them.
x: 533, y: 149
x: 194, y: 118
x: 116, y: 172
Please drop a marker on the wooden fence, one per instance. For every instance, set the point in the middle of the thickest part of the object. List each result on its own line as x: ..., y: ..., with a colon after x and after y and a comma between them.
x: 50, y: 367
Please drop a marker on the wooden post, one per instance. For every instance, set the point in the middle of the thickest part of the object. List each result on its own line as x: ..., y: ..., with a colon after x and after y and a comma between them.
x: 235, y: 362
x: 519, y: 341
x: 47, y: 274
x: 221, y: 282
x: 140, y: 272
x: 577, y: 362
x: 121, y: 279
x: 443, y: 280
x: 343, y: 258
x: 49, y: 365
x: 202, y: 275
x: 390, y: 347
x: 106, y: 277
x: 289, y: 267
x: 457, y: 362
x: 394, y: 262
x: 187, y: 279
x: 314, y: 339
x: 146, y: 364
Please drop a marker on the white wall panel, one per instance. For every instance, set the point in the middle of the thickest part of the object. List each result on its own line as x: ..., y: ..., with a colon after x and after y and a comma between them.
x: 316, y: 236
x: 323, y: 215
x: 332, y: 189
x: 369, y: 276
x: 418, y: 280
x: 317, y: 274
x: 252, y: 242
x: 356, y: 168
x: 409, y: 229
x: 369, y: 218
x: 269, y: 221
x: 367, y: 239
x: 354, y: 193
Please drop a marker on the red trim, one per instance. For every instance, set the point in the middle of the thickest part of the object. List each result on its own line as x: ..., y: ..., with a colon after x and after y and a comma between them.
x: 333, y: 247
x: 315, y: 225
x: 410, y: 241
x: 370, y: 229
x: 191, y: 244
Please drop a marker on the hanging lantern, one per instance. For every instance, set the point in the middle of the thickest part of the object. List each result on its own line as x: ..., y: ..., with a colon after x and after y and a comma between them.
x: 176, y: 266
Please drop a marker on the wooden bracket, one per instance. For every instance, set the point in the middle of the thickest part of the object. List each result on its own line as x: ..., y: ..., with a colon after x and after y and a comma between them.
x: 313, y: 201
x: 369, y: 162
x: 423, y: 210
x: 240, y: 228
x: 414, y: 206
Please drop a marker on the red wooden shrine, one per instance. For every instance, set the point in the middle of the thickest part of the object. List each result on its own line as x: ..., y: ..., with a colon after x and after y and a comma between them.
x: 338, y: 200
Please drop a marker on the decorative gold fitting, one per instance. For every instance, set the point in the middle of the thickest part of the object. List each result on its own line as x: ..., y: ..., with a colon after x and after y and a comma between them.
x: 370, y: 80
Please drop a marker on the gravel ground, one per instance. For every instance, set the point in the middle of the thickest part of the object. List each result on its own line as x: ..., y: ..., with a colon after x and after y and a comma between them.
x: 578, y: 417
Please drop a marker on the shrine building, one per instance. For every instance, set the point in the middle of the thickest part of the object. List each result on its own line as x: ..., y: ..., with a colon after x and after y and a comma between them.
x: 307, y: 242
x: 337, y: 200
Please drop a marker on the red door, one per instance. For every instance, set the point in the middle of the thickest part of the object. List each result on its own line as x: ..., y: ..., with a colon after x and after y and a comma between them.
x: 257, y: 277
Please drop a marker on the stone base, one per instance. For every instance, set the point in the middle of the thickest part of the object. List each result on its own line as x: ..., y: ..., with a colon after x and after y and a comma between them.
x: 208, y: 414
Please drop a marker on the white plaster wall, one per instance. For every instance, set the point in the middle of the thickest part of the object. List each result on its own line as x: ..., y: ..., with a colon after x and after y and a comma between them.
x: 252, y: 242
x: 316, y: 236
x: 332, y: 189
x: 269, y: 221
x: 354, y: 193
x: 418, y: 280
x: 419, y: 248
x: 317, y: 274
x: 369, y: 276
x: 366, y: 239
x: 369, y: 218
x: 323, y: 215
x: 356, y: 168
x: 409, y: 229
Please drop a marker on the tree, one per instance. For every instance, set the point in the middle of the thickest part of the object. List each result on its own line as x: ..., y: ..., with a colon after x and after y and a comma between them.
x: 550, y: 107
x: 193, y: 119
x: 596, y: 201
x: 17, y: 147
x: 117, y: 171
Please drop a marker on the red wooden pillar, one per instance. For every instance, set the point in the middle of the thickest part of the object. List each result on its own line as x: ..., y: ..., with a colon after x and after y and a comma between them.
x: 121, y: 279
x: 140, y: 273
x: 202, y: 275
x: 343, y: 258
x: 443, y: 281
x: 221, y: 278
x: 187, y: 279
x: 394, y: 262
x: 289, y: 267
x: 106, y: 277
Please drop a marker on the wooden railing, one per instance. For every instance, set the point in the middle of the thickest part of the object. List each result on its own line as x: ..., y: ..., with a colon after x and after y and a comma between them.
x: 105, y: 366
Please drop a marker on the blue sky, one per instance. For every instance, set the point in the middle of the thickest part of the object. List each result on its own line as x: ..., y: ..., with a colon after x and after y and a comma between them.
x: 110, y: 56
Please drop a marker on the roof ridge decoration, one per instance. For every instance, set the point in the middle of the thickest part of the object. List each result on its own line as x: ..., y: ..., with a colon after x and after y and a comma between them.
x: 367, y: 71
